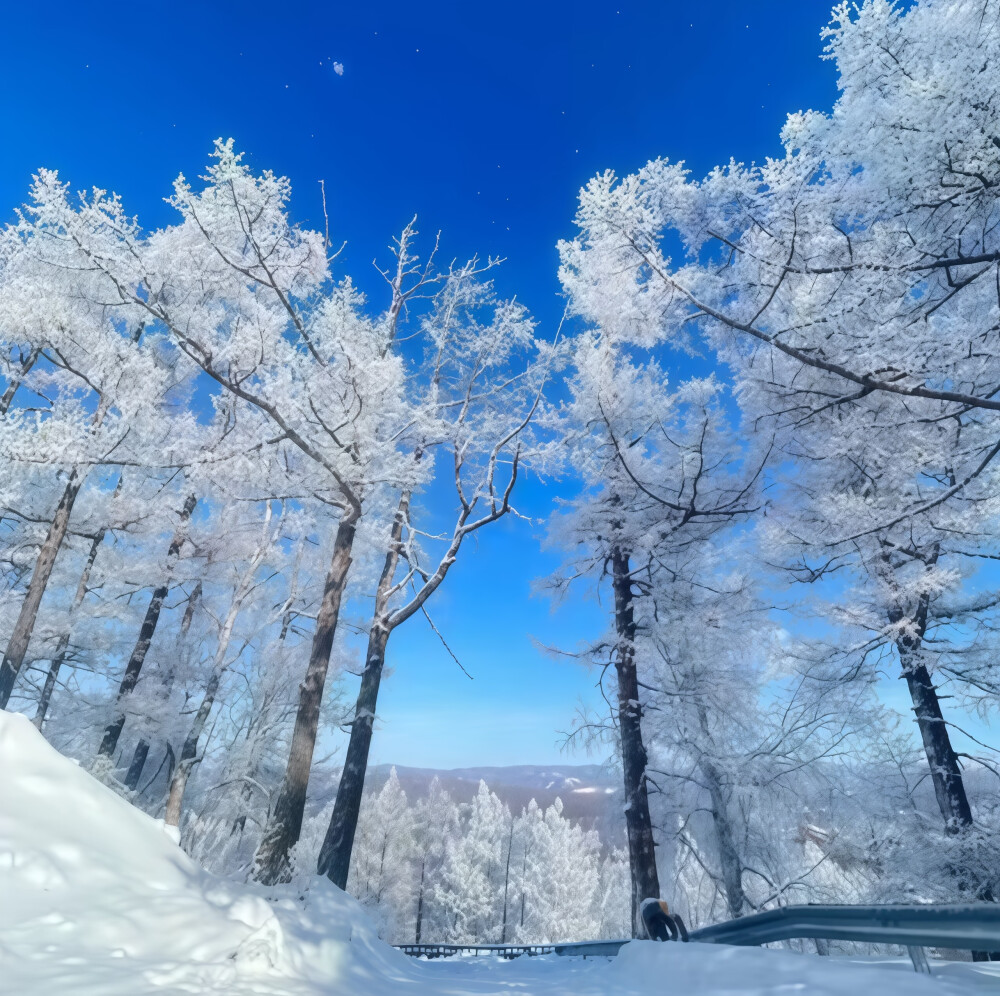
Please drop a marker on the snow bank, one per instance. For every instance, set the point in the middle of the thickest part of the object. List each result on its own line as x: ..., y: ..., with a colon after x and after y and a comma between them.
x: 96, y: 900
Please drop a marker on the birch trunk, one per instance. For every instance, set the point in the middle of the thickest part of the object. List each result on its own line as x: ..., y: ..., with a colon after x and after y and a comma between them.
x: 114, y: 729
x: 641, y: 846
x: 246, y: 793
x: 17, y: 645
x: 189, y: 752
x: 60, y: 654
x: 285, y: 823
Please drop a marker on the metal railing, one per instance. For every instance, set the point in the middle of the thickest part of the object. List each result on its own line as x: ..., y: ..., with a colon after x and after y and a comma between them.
x: 967, y: 926
x: 498, y: 950
x: 974, y: 926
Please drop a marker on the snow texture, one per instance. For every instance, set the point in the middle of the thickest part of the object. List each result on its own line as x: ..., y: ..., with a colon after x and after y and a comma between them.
x: 99, y: 901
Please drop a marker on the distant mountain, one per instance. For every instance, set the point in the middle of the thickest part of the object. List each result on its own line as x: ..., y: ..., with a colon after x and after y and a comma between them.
x: 590, y: 793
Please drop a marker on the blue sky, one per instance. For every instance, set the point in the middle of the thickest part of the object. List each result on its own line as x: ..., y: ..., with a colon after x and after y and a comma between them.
x: 484, y: 120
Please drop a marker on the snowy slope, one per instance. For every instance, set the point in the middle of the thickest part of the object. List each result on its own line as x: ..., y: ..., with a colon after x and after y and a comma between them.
x: 96, y: 900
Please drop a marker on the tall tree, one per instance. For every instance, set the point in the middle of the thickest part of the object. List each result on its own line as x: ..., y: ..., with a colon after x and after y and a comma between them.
x: 220, y: 664
x: 664, y: 473
x: 59, y: 657
x: 137, y: 658
x: 481, y: 407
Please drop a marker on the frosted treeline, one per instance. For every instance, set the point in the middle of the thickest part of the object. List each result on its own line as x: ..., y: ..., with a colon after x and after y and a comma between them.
x: 769, y: 427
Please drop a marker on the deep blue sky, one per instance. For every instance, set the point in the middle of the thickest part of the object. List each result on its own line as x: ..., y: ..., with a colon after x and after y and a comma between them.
x: 482, y: 119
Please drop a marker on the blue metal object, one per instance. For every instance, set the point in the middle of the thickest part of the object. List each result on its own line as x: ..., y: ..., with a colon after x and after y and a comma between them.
x: 968, y: 926
x: 973, y: 926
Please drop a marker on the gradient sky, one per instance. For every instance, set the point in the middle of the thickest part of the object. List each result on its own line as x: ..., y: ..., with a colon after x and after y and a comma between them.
x: 482, y: 119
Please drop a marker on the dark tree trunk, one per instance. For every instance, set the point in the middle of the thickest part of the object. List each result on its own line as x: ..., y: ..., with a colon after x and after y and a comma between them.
x: 420, y: 900
x: 285, y: 823
x: 141, y: 753
x: 506, y: 884
x: 139, y: 757
x: 45, y: 698
x: 335, y: 854
x: 20, y: 636
x: 946, y: 775
x: 60, y: 654
x: 641, y: 847
x: 945, y: 771
x: 132, y: 671
x: 15, y: 382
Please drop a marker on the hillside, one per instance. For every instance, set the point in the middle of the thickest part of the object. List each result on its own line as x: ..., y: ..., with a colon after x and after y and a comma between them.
x: 99, y: 901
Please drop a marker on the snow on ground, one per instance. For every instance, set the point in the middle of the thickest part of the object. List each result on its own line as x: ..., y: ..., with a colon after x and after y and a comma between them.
x: 96, y: 900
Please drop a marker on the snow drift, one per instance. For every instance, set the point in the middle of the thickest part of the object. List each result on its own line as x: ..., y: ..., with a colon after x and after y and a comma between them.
x: 96, y: 900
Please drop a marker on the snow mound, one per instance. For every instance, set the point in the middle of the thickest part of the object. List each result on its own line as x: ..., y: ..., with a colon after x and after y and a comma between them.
x: 97, y: 900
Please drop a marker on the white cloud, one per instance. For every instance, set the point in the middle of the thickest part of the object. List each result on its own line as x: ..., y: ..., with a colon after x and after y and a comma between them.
x: 338, y: 68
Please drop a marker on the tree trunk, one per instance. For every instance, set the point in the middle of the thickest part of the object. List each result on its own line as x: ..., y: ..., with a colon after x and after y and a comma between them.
x: 15, y: 382
x: 141, y: 752
x: 60, y: 654
x: 506, y: 883
x: 114, y: 729
x: 641, y: 846
x: 189, y: 752
x: 246, y: 793
x: 285, y: 823
x: 946, y: 775
x: 420, y: 899
x: 17, y: 646
x: 524, y: 872
x: 335, y: 854
x: 729, y: 855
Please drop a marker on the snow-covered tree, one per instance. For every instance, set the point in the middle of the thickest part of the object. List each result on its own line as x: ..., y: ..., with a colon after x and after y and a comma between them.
x: 476, y: 392
x: 469, y: 893
x: 849, y: 285
x: 435, y: 823
x: 382, y: 875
